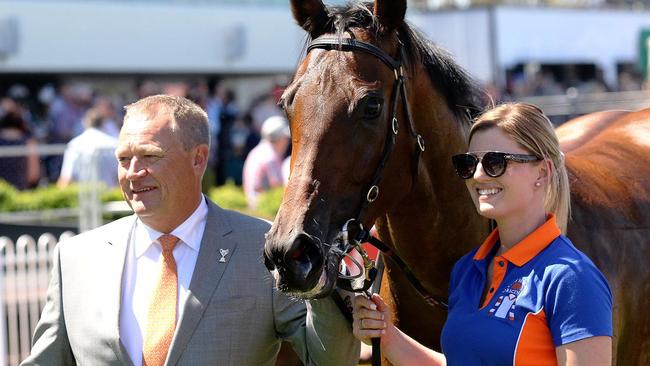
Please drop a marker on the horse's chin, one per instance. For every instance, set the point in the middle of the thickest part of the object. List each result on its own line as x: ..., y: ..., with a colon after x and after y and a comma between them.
x: 323, y: 287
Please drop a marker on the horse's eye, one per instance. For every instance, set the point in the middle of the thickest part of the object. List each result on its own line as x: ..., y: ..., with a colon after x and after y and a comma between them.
x: 373, y: 107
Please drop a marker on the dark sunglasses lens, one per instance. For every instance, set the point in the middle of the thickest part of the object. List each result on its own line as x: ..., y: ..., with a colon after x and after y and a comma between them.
x: 494, y: 164
x: 465, y: 165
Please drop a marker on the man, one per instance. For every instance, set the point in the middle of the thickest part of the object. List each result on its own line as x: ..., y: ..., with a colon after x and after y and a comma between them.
x: 181, y: 282
x: 263, y: 165
x: 89, y: 156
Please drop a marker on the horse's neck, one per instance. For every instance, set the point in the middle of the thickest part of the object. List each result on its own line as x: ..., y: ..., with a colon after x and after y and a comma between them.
x: 436, y: 223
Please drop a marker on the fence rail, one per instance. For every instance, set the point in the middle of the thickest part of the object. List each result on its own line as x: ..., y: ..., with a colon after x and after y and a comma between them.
x: 25, y: 267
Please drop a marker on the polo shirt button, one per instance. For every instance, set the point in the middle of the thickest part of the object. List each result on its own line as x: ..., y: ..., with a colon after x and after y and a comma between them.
x: 491, y: 289
x: 500, y: 263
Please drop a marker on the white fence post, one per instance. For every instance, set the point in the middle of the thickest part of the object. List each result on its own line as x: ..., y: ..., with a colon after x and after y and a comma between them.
x: 4, y: 243
x: 24, y: 277
x: 25, y: 253
x: 11, y: 282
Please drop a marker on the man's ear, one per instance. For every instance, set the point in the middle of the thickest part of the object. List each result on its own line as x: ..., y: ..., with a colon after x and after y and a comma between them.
x: 200, y: 156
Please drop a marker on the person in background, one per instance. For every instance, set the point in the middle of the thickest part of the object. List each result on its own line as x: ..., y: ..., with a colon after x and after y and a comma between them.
x: 105, y: 108
x: 228, y: 111
x: 89, y: 157
x: 64, y: 117
x: 263, y: 165
x: 180, y: 282
x: 20, y: 171
x: 526, y: 296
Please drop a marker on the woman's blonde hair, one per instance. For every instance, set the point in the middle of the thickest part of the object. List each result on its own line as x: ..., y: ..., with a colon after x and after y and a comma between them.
x: 527, y: 125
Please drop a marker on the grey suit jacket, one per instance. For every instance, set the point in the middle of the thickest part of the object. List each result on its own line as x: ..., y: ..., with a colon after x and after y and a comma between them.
x: 233, y: 315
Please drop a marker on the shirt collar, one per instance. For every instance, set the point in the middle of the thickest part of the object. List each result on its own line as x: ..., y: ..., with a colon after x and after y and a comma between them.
x: 526, y: 249
x: 189, y: 232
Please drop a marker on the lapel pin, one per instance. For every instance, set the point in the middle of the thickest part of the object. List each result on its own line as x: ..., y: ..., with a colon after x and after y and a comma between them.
x: 224, y: 253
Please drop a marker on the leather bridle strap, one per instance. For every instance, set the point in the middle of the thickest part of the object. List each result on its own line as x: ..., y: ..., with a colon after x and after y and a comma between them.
x: 386, y: 251
x: 399, y: 90
x: 351, y: 44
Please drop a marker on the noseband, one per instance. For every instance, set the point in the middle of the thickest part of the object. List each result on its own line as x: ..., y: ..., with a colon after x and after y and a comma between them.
x: 353, y: 232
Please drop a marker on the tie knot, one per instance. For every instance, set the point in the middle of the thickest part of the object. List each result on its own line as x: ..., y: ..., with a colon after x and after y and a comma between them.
x: 168, y: 242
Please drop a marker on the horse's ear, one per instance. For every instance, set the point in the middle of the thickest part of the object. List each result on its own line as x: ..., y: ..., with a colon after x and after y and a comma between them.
x: 311, y: 15
x: 390, y: 14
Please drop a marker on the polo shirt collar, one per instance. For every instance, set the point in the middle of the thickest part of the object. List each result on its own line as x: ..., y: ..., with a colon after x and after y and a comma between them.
x: 526, y: 249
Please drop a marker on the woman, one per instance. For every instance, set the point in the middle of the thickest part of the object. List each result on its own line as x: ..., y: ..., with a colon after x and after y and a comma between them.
x: 526, y: 295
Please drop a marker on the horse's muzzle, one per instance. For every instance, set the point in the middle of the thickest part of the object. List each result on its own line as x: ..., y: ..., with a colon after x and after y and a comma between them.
x: 299, y: 264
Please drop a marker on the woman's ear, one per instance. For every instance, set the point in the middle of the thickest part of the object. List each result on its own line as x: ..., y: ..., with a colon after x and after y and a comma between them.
x: 545, y: 172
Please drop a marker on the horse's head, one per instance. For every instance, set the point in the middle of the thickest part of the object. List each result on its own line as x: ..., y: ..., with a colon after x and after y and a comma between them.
x: 340, y: 107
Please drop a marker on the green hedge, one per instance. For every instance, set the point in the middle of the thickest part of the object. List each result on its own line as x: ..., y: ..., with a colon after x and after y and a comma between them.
x: 232, y: 197
x: 228, y: 196
x: 269, y: 203
x: 37, y: 199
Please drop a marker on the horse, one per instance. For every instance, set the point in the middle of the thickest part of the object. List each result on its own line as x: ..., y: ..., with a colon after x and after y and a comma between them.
x: 372, y: 139
x: 609, y: 175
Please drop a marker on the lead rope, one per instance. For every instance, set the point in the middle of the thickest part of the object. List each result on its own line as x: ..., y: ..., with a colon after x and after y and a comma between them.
x: 354, y: 234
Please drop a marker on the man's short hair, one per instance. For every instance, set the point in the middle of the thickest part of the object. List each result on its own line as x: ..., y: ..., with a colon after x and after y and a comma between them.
x: 188, y: 119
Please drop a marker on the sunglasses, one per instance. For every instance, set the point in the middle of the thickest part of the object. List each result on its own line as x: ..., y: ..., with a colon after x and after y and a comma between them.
x: 494, y: 163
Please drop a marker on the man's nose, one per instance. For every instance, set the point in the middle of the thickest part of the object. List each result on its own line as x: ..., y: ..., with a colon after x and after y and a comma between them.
x: 136, y: 169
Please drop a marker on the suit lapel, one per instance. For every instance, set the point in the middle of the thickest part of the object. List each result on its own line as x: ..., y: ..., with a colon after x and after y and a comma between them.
x: 117, y: 244
x: 207, y: 274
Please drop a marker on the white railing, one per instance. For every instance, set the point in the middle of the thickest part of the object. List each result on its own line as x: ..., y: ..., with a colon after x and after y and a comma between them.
x: 24, y: 277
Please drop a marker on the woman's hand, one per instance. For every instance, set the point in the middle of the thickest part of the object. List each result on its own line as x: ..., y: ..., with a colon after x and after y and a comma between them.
x: 371, y: 318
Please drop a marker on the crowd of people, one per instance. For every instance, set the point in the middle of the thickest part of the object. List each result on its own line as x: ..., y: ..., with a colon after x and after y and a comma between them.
x: 88, y: 122
x: 545, y: 82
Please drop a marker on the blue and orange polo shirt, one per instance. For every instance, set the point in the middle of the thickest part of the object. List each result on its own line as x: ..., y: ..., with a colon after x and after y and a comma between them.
x: 544, y: 293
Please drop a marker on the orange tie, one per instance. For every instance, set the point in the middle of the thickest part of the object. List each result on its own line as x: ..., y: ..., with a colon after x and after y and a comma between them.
x: 161, y: 317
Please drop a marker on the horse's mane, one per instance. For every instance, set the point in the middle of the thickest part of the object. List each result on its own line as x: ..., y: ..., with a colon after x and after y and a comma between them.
x: 462, y: 92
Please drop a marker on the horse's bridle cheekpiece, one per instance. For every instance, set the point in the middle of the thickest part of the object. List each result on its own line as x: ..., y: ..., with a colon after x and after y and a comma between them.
x: 353, y: 232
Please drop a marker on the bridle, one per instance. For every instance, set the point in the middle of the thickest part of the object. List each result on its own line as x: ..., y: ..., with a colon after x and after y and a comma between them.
x: 353, y: 232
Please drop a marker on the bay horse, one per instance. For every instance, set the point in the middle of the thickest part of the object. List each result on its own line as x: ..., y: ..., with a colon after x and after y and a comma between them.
x: 365, y: 149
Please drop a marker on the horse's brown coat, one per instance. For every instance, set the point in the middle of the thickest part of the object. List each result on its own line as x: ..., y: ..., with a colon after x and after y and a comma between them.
x: 430, y: 220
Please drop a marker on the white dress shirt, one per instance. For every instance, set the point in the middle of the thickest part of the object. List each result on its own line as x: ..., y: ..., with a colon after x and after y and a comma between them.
x: 142, y: 271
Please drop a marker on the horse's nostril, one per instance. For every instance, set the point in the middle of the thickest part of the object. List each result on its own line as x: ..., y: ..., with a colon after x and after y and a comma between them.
x: 299, y: 254
x: 303, y: 261
x: 303, y: 250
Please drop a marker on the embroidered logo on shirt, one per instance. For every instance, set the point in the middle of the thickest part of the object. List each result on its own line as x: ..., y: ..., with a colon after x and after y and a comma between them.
x: 505, y: 304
